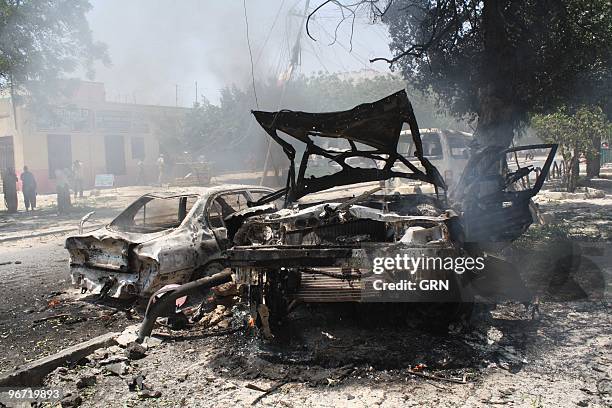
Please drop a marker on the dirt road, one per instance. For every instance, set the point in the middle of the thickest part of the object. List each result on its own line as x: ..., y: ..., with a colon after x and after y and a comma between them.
x: 331, y: 358
x: 39, y: 311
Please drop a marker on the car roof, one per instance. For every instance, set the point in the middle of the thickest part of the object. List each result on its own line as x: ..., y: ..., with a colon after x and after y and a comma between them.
x: 203, y: 191
x: 446, y: 132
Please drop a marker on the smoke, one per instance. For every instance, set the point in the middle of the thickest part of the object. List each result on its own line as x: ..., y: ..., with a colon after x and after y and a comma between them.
x: 155, y: 45
x: 159, y: 49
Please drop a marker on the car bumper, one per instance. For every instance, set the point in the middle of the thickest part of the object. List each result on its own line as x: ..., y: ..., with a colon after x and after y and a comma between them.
x: 119, y: 285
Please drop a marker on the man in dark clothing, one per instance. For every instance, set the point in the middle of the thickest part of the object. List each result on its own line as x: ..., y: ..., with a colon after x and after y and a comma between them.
x: 9, y: 185
x: 28, y: 184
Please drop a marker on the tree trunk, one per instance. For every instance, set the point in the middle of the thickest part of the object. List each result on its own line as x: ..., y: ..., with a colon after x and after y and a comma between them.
x: 574, y: 171
x: 497, y: 111
x: 594, y: 159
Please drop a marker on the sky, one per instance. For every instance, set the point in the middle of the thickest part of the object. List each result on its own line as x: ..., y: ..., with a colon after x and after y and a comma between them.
x: 155, y: 45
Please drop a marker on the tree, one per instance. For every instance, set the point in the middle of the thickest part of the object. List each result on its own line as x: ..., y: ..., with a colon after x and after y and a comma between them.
x: 43, y: 40
x: 227, y: 131
x: 574, y: 133
x: 499, y: 60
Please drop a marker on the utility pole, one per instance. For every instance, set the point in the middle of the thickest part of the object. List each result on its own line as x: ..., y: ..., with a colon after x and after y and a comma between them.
x: 196, y: 92
x: 295, y: 61
x: 176, y: 95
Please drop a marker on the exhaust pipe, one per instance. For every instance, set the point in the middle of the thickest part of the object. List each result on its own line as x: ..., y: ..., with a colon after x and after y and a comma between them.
x: 157, y: 306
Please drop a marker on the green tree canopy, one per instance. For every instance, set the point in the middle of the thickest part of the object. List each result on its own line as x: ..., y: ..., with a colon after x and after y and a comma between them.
x: 574, y: 132
x: 498, y: 60
x: 228, y: 130
x: 43, y: 40
x: 501, y: 59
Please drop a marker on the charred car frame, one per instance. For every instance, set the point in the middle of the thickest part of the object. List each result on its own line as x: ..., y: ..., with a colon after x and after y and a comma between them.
x: 319, y: 246
x: 160, y: 239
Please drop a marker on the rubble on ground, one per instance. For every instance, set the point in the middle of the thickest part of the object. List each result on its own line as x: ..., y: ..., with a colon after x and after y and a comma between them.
x: 329, y: 358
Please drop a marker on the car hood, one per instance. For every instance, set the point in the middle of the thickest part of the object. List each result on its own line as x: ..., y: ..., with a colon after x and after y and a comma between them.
x: 375, y: 126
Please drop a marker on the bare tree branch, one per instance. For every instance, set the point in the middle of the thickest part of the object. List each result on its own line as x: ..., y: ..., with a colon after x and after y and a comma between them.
x: 446, y: 17
x: 352, y: 9
x: 312, y: 14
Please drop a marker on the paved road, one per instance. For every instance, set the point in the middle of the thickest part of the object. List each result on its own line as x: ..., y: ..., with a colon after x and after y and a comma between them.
x: 38, y: 287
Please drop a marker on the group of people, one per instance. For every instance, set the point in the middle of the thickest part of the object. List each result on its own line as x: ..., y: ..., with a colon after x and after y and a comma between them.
x: 28, y: 187
x: 65, y: 179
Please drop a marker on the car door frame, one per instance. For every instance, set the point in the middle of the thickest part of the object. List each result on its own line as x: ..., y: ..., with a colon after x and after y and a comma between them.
x: 483, y: 221
x: 248, y: 193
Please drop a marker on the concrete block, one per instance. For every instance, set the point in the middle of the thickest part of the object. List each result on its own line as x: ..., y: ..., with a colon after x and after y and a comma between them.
x: 33, y: 373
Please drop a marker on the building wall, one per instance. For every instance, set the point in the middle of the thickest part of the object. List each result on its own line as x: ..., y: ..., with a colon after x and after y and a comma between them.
x: 90, y: 122
x: 9, y: 132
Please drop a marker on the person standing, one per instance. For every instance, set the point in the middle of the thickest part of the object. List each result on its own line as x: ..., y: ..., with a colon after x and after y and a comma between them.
x: 62, y: 186
x: 9, y: 185
x: 161, y: 165
x: 77, y: 174
x: 141, y: 180
x: 28, y: 184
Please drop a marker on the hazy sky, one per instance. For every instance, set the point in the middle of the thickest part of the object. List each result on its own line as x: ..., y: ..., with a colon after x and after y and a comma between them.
x: 155, y: 44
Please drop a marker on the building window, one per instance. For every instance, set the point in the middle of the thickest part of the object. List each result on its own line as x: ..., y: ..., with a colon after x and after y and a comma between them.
x: 59, y: 152
x: 138, y: 147
x: 114, y: 148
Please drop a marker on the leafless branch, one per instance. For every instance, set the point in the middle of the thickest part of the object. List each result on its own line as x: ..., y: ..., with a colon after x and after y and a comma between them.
x: 381, y: 13
x: 352, y: 9
x: 312, y: 14
x: 445, y: 18
x: 441, y: 12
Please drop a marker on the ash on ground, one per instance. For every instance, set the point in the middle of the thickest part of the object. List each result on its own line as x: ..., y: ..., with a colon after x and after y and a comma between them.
x: 357, y: 356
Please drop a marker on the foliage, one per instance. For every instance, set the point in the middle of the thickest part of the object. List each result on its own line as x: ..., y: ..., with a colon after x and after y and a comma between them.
x: 500, y: 60
x: 574, y: 133
x: 42, y: 40
x: 226, y: 131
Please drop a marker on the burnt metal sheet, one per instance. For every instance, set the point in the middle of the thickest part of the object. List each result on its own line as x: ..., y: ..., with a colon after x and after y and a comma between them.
x: 500, y: 212
x: 376, y: 125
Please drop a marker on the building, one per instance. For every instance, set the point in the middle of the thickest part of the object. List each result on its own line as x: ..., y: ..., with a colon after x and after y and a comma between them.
x: 107, y: 137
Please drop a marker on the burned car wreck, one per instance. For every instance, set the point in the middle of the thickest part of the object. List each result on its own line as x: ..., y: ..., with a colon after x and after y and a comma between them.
x: 336, y: 221
x: 160, y: 239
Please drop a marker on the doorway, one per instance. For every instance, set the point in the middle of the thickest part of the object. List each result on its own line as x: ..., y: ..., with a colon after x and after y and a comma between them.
x: 59, y: 151
x: 115, y: 154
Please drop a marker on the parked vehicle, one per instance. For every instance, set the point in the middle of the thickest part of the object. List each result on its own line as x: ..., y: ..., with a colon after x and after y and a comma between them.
x: 160, y: 239
x: 324, y: 243
x: 448, y: 150
x: 322, y: 246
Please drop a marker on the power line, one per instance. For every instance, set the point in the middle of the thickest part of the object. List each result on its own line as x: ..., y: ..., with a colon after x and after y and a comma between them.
x: 317, y: 57
x: 263, y: 47
x: 352, y: 53
x: 246, y: 20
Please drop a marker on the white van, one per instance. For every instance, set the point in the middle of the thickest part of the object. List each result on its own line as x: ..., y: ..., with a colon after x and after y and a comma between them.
x: 446, y: 149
